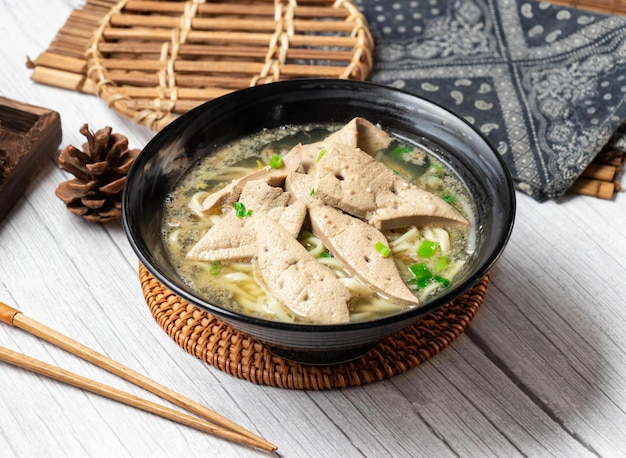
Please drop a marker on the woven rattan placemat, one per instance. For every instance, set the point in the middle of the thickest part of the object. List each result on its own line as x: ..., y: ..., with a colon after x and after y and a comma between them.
x: 215, y: 342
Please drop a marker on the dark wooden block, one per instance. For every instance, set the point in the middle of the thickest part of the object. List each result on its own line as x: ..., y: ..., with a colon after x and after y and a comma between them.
x: 29, y: 136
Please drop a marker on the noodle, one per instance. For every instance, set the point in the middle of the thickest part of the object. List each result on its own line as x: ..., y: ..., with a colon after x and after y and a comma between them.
x: 195, y: 204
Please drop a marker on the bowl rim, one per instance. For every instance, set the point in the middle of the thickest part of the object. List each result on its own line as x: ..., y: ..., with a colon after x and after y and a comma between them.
x: 298, y: 84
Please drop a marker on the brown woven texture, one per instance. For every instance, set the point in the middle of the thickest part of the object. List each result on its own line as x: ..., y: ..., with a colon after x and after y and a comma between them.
x: 215, y: 342
x: 152, y: 60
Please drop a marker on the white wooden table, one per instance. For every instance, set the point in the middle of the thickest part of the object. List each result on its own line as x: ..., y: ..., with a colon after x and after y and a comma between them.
x: 541, y: 371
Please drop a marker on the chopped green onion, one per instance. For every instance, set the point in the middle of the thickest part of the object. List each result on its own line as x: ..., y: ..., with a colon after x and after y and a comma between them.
x: 382, y: 249
x: 276, y: 161
x: 240, y: 210
x: 312, y: 193
x: 400, y: 151
x: 421, y: 271
x: 442, y: 280
x: 321, y: 155
x: 216, y: 268
x: 427, y: 249
x: 326, y: 254
x: 442, y: 263
x: 396, y: 172
x: 449, y: 198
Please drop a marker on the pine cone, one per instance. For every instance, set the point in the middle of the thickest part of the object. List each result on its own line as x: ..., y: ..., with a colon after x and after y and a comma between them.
x: 100, y: 170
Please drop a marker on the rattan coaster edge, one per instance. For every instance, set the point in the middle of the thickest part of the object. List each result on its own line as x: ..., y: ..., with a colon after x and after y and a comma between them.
x: 215, y: 342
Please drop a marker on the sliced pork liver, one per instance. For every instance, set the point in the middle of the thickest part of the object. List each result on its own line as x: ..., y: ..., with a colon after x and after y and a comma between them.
x: 233, y: 238
x: 358, y: 133
x: 352, y: 242
x: 274, y: 177
x: 349, y: 179
x: 300, y: 185
x: 408, y: 205
x: 362, y: 134
x: 296, y: 278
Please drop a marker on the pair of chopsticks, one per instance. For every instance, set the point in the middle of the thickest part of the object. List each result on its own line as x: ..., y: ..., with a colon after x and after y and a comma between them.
x: 211, y: 422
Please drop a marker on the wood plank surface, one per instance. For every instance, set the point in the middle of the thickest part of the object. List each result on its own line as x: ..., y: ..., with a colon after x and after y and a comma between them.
x: 541, y: 371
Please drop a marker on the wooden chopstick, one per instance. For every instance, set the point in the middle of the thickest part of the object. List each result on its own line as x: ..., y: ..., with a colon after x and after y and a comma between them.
x: 219, y: 426
x: 71, y: 378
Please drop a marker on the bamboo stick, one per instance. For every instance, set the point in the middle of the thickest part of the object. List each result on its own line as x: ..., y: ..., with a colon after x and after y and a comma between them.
x: 200, y: 36
x: 70, y: 64
x: 208, y: 8
x: 179, y: 106
x: 222, y: 66
x: 62, y: 79
x: 153, y: 48
x: 224, y: 23
x: 294, y: 40
x: 234, y: 9
x: 153, y: 93
x: 183, y: 80
x: 612, y: 157
x: 69, y: 48
x: 601, y: 172
x: 15, y: 318
x: 71, y: 378
x: 67, y: 71
x: 171, y: 22
x: 594, y: 188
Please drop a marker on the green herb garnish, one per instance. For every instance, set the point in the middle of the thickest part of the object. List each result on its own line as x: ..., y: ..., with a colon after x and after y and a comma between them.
x: 216, y: 268
x: 400, y: 151
x: 421, y: 271
x: 382, y: 249
x: 240, y: 210
x: 449, y: 198
x: 276, y: 161
x: 442, y: 263
x: 427, y: 249
x: 321, y: 155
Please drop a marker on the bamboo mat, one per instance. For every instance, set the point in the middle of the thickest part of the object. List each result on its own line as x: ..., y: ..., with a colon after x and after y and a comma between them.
x: 215, y: 342
x: 152, y: 60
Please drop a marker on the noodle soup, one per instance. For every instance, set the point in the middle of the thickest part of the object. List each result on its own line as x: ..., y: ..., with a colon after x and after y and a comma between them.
x: 428, y: 257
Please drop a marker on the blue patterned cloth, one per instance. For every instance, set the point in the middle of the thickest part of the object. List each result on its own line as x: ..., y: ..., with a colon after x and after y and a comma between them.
x: 545, y: 84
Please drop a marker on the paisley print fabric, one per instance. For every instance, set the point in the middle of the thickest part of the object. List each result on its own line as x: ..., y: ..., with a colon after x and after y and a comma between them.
x: 545, y: 84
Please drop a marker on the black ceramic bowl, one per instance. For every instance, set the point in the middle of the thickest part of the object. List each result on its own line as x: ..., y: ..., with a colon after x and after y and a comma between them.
x: 199, y: 132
